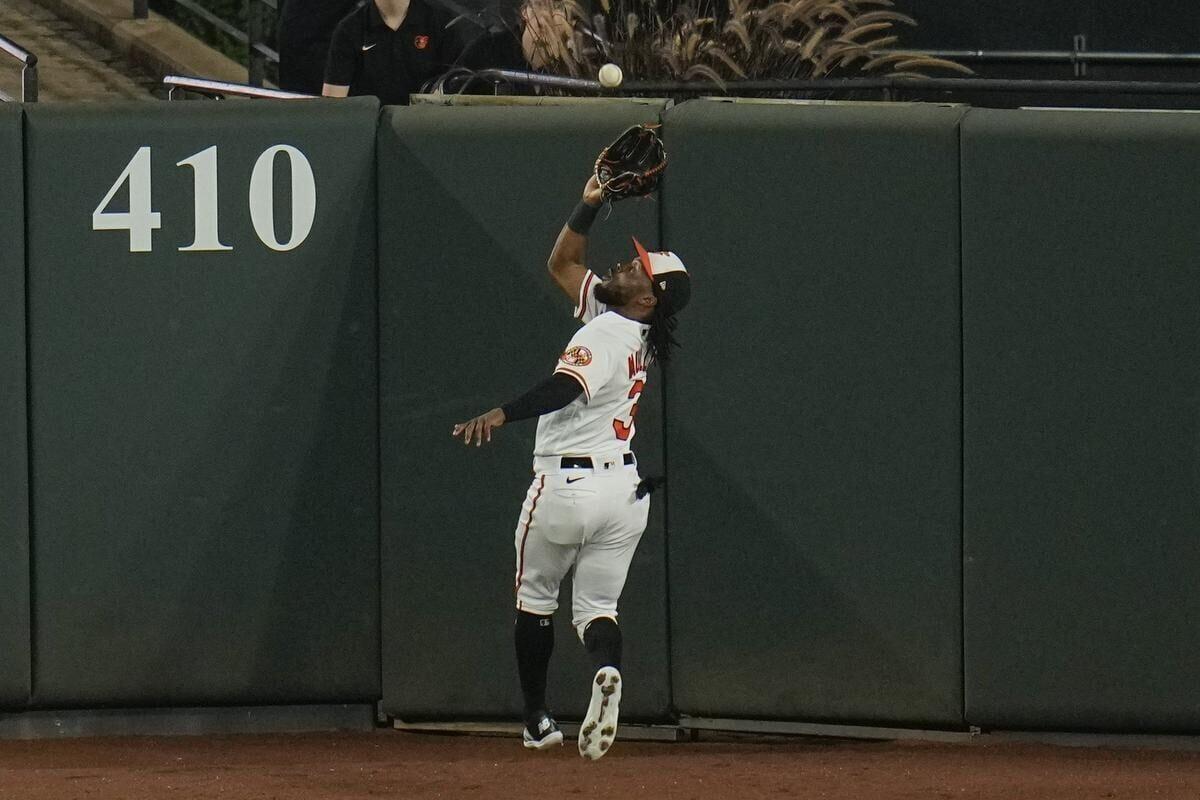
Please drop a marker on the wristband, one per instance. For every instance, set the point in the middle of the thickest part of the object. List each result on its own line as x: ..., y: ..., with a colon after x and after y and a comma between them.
x: 582, y: 217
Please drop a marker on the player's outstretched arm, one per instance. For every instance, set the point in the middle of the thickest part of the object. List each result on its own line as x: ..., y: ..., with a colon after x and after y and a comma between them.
x: 557, y: 391
x: 567, y: 262
x: 479, y: 428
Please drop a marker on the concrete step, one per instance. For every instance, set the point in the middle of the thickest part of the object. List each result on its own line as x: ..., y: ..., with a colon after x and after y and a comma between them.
x: 70, y: 65
x: 94, y: 50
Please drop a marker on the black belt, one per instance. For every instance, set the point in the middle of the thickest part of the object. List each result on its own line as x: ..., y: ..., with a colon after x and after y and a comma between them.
x: 583, y: 462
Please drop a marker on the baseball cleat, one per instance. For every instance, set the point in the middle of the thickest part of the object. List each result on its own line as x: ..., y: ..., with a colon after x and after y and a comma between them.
x: 542, y: 733
x: 599, y: 727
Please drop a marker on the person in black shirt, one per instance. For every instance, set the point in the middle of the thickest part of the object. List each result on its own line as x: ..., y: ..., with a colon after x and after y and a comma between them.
x: 389, y: 48
x: 305, y: 27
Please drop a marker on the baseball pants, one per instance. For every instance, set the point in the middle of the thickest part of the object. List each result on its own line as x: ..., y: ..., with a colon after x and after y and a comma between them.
x: 587, y: 517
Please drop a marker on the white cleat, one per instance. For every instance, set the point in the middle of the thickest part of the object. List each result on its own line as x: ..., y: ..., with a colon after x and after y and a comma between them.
x: 599, y: 727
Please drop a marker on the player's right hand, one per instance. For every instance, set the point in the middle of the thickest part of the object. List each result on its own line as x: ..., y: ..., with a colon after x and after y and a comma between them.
x: 479, y: 428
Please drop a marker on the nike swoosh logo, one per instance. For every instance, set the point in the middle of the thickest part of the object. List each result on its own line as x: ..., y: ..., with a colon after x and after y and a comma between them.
x: 573, y: 480
x: 367, y: 47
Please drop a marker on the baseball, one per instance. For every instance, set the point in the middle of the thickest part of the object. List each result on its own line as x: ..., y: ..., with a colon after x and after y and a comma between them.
x: 611, y: 76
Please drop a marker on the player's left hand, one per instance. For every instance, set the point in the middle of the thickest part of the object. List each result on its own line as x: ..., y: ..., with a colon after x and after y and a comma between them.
x: 479, y: 428
x: 593, y: 195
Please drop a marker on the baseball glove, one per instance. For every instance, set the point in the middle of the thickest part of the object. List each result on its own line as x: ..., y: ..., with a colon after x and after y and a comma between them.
x: 631, y: 165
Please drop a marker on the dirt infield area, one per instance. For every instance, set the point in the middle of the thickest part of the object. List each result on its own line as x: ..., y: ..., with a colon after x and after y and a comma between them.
x: 340, y: 766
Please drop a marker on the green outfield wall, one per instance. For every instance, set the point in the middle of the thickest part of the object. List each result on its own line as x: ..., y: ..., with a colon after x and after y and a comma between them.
x: 14, y: 455
x: 1082, y: 345
x: 931, y: 435
x: 203, y: 349
x: 471, y: 202
x: 813, y: 421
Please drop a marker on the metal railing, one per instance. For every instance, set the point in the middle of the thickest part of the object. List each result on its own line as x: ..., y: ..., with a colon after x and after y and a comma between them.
x: 1063, y: 56
x: 459, y: 80
x: 1078, y: 56
x: 29, y: 70
x: 220, y: 89
x: 260, y: 53
x: 884, y: 87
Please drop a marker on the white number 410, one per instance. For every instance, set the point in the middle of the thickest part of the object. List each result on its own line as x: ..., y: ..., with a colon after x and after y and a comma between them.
x: 142, y: 220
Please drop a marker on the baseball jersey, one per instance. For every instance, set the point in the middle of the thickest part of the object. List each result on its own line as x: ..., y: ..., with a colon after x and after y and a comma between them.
x: 608, y: 357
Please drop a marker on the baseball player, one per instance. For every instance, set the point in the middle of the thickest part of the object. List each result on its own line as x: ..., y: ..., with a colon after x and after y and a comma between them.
x: 587, y: 506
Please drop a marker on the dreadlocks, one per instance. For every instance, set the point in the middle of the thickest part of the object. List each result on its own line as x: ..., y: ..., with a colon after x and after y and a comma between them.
x: 673, y: 290
x: 662, y: 334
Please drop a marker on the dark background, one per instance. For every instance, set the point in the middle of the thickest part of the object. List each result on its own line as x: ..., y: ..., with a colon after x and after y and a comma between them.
x: 813, y: 423
x: 204, y: 482
x: 14, y: 457
x: 1082, y: 390
x: 1155, y: 25
x: 932, y: 435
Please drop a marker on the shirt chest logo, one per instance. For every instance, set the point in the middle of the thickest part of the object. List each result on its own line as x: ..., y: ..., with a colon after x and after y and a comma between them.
x: 421, y: 41
x: 577, y: 357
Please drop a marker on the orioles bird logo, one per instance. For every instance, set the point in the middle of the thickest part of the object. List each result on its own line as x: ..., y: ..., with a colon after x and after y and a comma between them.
x: 421, y: 42
x: 577, y: 357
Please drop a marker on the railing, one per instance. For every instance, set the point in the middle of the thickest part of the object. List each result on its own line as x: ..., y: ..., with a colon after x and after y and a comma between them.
x: 259, y: 51
x: 893, y: 87
x: 29, y: 70
x: 884, y: 87
x: 1078, y: 56
x: 221, y: 89
x: 459, y: 80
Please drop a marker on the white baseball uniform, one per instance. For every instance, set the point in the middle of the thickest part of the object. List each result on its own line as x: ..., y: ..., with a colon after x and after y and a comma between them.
x: 582, y: 507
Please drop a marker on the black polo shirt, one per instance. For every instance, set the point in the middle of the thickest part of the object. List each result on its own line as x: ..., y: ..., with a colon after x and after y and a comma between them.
x: 371, y: 58
x: 305, y: 28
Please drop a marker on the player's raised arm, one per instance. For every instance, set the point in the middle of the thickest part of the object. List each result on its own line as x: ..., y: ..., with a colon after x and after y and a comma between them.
x: 567, y: 262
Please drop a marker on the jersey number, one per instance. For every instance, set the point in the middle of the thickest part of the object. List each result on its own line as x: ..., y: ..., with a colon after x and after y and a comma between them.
x: 625, y: 430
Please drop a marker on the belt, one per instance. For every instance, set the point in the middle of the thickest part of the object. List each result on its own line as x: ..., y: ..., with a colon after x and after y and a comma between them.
x: 583, y: 462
